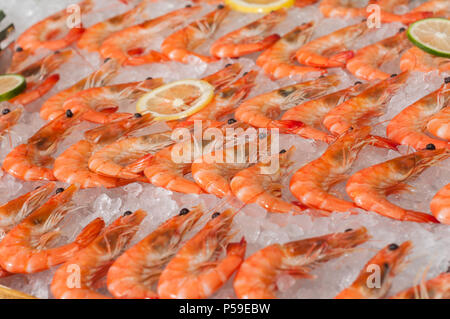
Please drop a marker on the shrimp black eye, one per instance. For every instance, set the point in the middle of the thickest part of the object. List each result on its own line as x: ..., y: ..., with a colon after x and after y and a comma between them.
x: 57, y: 52
x: 393, y: 75
x: 262, y: 135
x: 37, y: 187
x: 137, y: 115
x: 402, y: 29
x: 220, y: 6
x: 386, y: 266
x: 69, y: 113
x: 282, y: 151
x: 59, y: 190
x: 127, y: 213
x: 358, y: 82
x: 228, y: 65
x: 189, y: 6
x: 5, y: 111
x: 19, y: 49
x: 106, y: 60
x: 447, y: 80
x: 231, y: 121
x: 245, y: 73
x: 215, y: 215
x: 348, y: 230
x: 430, y: 147
x: 149, y: 78
x: 393, y: 247
x: 184, y: 211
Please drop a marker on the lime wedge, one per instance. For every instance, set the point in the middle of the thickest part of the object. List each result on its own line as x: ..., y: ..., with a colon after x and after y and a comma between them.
x: 431, y: 35
x: 11, y: 85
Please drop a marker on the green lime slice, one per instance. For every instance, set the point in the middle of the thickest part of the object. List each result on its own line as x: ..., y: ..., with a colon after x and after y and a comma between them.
x: 431, y: 35
x: 11, y: 85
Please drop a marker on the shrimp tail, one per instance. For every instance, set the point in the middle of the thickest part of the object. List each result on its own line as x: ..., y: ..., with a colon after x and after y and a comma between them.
x: 341, y: 58
x: 90, y: 232
x: 288, y: 126
x: 237, y: 249
x: 418, y: 217
x: 384, y: 142
x: 139, y: 165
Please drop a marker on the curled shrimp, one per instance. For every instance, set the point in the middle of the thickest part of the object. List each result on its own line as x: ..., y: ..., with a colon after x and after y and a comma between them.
x: 99, y: 104
x: 389, y: 261
x: 440, y: 205
x: 439, y: 8
x: 130, y: 46
x: 92, y: 263
x: 408, y: 127
x: 438, y: 124
x: 332, y: 50
x: 312, y: 113
x: 14, y: 211
x: 369, y: 187
x: 263, y: 110
x: 258, y: 184
x: 53, y: 107
x: 31, y: 161
x: 135, y: 272
x: 278, y: 61
x: 251, y: 38
x: 9, y: 118
x: 198, y: 270
x: 359, y: 110
x: 213, y: 171
x: 418, y: 60
x: 388, y: 15
x: 52, y: 33
x: 311, y: 183
x: 257, y: 276
x: 435, y: 288
x: 180, y: 45
x: 342, y: 8
x: 94, y: 36
x: 40, y: 77
x: 24, y: 249
x: 367, y: 61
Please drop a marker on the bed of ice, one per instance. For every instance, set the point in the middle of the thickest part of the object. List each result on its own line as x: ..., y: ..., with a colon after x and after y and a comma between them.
x: 260, y: 228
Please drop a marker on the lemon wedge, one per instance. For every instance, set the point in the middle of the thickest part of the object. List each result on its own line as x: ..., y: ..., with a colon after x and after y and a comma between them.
x: 258, y: 6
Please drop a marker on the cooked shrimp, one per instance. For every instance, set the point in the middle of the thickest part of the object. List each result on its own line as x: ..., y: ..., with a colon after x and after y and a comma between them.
x: 180, y: 45
x: 40, y: 77
x: 439, y: 124
x: 24, y: 248
x: 304, y: 3
x: 388, y: 15
x: 312, y: 113
x: 418, y: 60
x: 224, y: 77
x: 114, y: 159
x: 263, y: 110
x: 341, y: 8
x: 256, y: 185
x: 257, y: 276
x: 94, y: 36
x: 130, y: 46
x: 53, y: 107
x: 439, y: 8
x: 311, y: 183
x: 225, y: 101
x: 408, y: 127
x: 100, y: 103
x: 213, y: 171
x: 278, y: 60
x: 359, y: 110
x: 332, y: 50
x: 369, y: 187
x: 30, y: 161
x: 52, y: 33
x: 436, y: 288
x: 14, y: 211
x: 367, y: 61
x: 135, y: 272
x: 9, y: 118
x: 251, y: 38
x: 92, y: 263
x: 440, y: 205
x: 388, y: 262
x: 198, y: 270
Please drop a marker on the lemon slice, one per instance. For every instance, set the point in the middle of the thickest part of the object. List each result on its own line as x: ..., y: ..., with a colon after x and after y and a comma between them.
x: 176, y: 100
x: 431, y: 35
x: 258, y: 6
x: 11, y: 85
